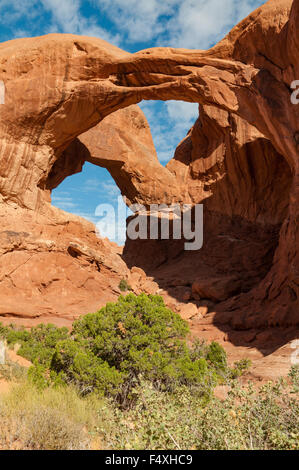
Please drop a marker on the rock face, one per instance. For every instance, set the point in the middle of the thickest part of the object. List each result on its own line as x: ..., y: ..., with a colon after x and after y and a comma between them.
x: 48, y: 268
x: 241, y: 160
x: 53, y: 266
x: 244, y: 184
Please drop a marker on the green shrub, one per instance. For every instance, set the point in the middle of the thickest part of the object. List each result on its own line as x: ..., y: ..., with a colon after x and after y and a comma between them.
x: 216, y: 356
x: 36, y: 345
x: 74, y: 363
x: 240, y: 367
x: 250, y: 418
x: 294, y: 376
x: 110, y: 351
x: 13, y: 334
x: 124, y: 286
x: 171, y: 389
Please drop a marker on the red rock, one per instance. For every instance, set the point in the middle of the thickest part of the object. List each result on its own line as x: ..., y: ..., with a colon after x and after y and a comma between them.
x: 265, y: 337
x: 46, y: 251
x: 240, y: 159
x: 188, y: 311
x: 149, y: 287
x: 202, y: 311
x: 215, y: 289
x: 186, y: 296
x: 12, y: 356
x: 134, y: 280
x: 138, y: 271
x: 249, y: 336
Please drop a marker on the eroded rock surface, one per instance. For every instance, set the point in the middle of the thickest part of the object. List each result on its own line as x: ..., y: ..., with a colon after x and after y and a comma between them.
x: 54, y: 267
x: 241, y: 159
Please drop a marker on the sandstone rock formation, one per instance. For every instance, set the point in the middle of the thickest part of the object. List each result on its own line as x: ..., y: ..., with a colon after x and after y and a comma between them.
x: 53, y: 265
x: 244, y: 184
x: 241, y: 159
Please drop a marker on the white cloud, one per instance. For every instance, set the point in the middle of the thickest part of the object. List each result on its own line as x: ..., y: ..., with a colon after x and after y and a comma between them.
x: 199, y: 23
x: 88, y: 216
x: 64, y: 202
x: 111, y: 221
x: 91, y: 184
x: 106, y: 189
x: 62, y: 16
x: 169, y: 122
x: 109, y: 188
x: 12, y: 11
x: 181, y: 113
x: 179, y: 23
x: 65, y: 13
x: 140, y: 20
x: 196, y: 24
x: 68, y: 19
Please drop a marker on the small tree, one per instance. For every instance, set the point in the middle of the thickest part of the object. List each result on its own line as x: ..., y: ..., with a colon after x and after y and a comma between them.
x: 136, y: 337
x: 111, y: 351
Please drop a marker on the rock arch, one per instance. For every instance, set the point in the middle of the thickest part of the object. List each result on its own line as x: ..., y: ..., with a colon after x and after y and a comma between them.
x: 65, y: 85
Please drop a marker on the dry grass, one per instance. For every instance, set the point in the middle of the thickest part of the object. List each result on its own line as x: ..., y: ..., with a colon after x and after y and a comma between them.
x: 54, y: 419
x: 261, y: 418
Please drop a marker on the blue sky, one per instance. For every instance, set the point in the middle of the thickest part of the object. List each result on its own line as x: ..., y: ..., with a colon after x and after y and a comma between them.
x: 131, y: 25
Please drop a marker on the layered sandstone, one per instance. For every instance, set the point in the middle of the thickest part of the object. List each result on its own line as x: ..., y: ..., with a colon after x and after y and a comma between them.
x: 241, y: 159
x: 54, y: 266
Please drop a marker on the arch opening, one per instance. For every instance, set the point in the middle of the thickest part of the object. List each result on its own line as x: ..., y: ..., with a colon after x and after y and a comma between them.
x: 80, y: 179
x: 94, y: 195
x: 244, y: 185
x: 224, y: 163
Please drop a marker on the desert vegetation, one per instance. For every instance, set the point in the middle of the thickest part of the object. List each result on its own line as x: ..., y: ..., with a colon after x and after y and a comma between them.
x: 128, y: 377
